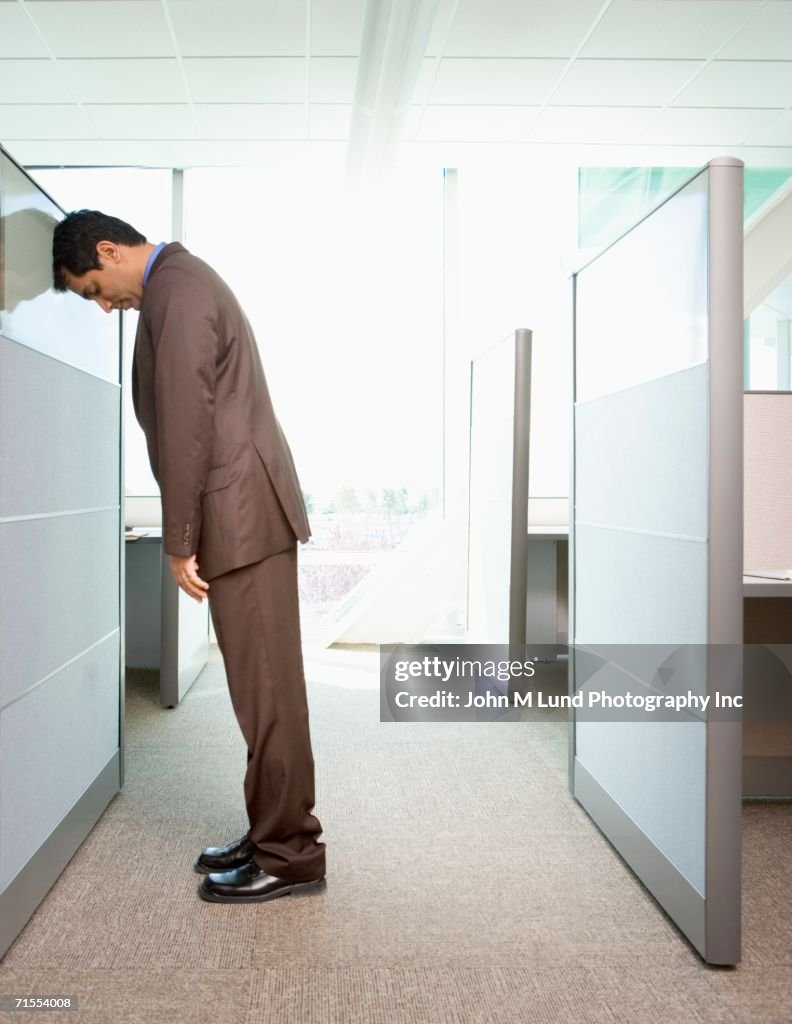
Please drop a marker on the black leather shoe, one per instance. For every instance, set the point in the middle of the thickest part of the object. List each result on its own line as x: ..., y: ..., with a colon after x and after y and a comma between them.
x: 252, y: 884
x: 225, y: 858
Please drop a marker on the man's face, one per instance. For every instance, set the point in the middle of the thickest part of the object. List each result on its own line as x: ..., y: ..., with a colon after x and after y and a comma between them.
x: 115, y: 286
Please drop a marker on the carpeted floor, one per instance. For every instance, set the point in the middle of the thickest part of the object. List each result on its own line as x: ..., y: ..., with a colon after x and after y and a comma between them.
x: 464, y: 885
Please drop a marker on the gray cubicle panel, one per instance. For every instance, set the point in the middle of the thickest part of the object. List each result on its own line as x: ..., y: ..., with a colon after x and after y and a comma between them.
x: 61, y: 612
x: 656, y: 547
x: 500, y: 427
x: 768, y: 480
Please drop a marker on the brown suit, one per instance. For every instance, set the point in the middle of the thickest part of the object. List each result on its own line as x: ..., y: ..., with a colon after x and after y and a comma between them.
x: 230, y: 495
x: 202, y: 400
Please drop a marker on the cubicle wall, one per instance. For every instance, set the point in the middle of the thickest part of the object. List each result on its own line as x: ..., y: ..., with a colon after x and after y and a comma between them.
x: 61, y: 612
x: 768, y: 481
x: 656, y: 564
x: 500, y: 425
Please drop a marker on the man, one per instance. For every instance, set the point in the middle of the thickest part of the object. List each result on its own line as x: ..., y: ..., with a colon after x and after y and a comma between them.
x: 232, y: 513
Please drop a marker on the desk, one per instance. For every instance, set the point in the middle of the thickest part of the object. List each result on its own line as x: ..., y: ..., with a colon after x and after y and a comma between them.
x: 165, y: 628
x: 767, y: 746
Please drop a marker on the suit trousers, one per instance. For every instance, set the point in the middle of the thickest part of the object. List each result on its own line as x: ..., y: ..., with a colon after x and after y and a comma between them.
x: 256, y: 617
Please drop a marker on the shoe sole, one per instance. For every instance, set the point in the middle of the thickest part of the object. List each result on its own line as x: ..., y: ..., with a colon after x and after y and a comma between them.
x: 298, y: 889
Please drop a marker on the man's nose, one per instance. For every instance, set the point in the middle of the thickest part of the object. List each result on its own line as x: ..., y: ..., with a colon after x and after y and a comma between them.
x: 105, y: 304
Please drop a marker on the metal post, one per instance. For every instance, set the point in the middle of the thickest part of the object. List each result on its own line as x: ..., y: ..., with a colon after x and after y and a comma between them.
x: 725, y: 612
x: 518, y: 585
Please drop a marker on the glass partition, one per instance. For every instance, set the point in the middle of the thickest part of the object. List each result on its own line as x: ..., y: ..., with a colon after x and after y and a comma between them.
x: 641, y: 496
x: 768, y: 354
x: 612, y: 199
x: 618, y: 346
x: 656, y: 537
x: 61, y: 603
x: 491, y: 454
x: 31, y: 312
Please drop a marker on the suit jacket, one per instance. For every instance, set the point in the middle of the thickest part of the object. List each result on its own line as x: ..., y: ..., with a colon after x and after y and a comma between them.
x: 230, y: 492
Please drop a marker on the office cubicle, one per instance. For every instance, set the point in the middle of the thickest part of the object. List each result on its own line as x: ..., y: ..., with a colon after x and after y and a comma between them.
x: 656, y: 546
x: 61, y: 571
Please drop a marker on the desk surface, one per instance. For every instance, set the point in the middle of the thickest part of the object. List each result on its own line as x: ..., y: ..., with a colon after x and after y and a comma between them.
x: 756, y: 586
x: 542, y: 532
x: 144, y: 535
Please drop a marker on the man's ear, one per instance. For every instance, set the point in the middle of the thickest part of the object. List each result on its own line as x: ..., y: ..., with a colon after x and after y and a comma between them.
x: 108, y: 252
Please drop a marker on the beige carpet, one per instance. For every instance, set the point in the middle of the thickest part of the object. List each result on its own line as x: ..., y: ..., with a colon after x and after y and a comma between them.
x: 464, y: 885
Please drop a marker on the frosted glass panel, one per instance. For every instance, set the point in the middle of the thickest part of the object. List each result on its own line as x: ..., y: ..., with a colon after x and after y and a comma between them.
x: 638, y: 589
x: 637, y: 464
x: 643, y: 302
x: 674, y: 818
x: 642, y: 507
x: 60, y: 553
x: 78, y: 557
x: 64, y: 326
x: 54, y: 741
x: 77, y: 462
x: 491, y: 467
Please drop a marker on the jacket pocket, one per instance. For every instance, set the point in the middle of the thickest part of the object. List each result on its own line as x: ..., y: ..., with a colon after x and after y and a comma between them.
x: 216, y: 478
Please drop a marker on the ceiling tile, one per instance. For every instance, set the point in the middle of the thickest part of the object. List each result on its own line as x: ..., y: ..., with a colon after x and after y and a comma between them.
x: 667, y: 28
x: 704, y: 126
x: 423, y: 87
x: 443, y: 21
x: 411, y: 123
x: 475, y: 124
x: 620, y: 125
x: 336, y: 27
x: 737, y: 83
x: 252, y: 120
x: 775, y: 132
x: 177, y: 153
x: 246, y: 79
x: 34, y: 121
x: 18, y: 38
x: 236, y: 28
x: 32, y: 81
x: 765, y: 37
x: 333, y: 79
x: 330, y: 120
x: 619, y: 83
x: 514, y: 28
x: 103, y: 28
x: 465, y: 81
x: 142, y: 121
x: 149, y: 80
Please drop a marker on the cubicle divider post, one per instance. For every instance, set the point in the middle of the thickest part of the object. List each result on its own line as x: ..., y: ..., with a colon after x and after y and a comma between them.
x: 518, y: 576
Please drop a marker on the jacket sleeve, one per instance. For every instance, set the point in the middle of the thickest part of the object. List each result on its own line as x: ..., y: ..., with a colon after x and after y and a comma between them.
x: 185, y: 341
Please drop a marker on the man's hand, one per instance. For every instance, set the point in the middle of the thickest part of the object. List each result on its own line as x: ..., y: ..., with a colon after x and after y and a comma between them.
x: 185, y: 572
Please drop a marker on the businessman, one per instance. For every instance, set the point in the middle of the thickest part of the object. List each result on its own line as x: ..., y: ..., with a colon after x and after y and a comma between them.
x: 232, y: 513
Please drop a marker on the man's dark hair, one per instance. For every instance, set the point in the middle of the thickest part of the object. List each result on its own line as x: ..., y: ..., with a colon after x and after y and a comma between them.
x: 76, y: 237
